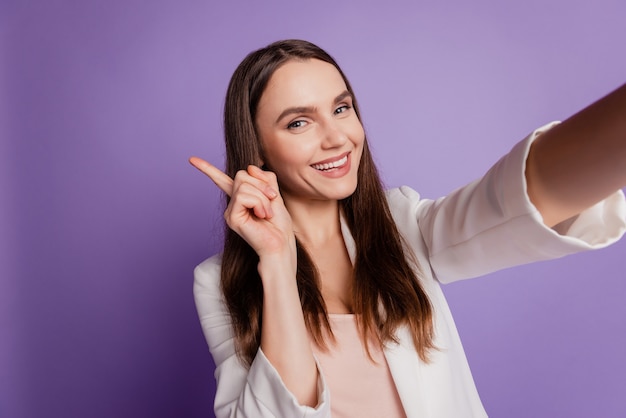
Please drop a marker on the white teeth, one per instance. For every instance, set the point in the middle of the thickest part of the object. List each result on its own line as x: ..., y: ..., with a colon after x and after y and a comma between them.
x: 328, y: 166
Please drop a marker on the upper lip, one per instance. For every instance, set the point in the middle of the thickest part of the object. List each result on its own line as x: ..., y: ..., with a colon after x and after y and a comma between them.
x: 332, y: 159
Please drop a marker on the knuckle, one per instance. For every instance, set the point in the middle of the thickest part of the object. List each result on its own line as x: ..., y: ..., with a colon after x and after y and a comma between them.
x: 271, y: 176
x: 245, y: 186
x: 241, y: 175
x: 230, y: 221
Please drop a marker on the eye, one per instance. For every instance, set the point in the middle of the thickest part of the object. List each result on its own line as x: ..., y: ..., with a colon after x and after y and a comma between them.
x: 296, y: 124
x: 342, y: 109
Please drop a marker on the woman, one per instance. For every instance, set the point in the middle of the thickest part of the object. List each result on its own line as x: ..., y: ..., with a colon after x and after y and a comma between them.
x: 326, y: 299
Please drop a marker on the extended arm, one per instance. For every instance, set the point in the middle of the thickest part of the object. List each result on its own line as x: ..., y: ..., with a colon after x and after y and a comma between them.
x: 580, y: 161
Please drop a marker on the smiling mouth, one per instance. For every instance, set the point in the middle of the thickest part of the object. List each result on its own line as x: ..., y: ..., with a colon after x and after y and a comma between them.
x: 330, y: 166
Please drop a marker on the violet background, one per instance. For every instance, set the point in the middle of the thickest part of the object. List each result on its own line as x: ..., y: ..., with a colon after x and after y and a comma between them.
x: 102, y: 219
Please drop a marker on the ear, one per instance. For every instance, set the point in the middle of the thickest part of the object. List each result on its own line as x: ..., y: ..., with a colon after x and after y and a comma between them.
x: 260, y: 155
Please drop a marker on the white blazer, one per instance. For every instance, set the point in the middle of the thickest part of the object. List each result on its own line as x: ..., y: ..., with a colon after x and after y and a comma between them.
x: 485, y: 226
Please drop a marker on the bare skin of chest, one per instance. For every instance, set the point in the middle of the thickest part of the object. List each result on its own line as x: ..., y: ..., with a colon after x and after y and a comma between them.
x: 335, y: 269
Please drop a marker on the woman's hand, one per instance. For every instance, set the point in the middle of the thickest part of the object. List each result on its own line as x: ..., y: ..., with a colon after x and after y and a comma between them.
x: 256, y: 210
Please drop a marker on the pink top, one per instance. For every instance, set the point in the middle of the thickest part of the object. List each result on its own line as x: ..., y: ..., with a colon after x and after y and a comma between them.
x: 358, y: 387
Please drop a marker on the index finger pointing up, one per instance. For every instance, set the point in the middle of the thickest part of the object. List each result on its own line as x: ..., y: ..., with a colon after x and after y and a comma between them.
x: 220, y: 178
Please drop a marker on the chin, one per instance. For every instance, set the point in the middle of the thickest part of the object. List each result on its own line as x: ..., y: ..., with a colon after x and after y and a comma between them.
x: 344, y: 192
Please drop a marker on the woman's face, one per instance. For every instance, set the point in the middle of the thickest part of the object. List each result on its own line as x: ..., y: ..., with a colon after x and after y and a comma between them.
x: 311, y: 136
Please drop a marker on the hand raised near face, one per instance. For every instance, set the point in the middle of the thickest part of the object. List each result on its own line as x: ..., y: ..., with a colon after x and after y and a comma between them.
x: 256, y: 210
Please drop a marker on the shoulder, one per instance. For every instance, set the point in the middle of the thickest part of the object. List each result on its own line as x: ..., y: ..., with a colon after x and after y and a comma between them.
x: 406, y: 205
x: 212, y: 311
x: 402, y: 195
x: 209, y: 268
x: 408, y: 210
x: 207, y: 276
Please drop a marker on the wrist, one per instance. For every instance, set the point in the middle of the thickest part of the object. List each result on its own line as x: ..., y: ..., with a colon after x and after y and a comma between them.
x: 277, y: 268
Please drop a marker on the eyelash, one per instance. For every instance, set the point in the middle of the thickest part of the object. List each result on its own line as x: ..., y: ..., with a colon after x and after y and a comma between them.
x: 344, y: 108
x: 291, y: 125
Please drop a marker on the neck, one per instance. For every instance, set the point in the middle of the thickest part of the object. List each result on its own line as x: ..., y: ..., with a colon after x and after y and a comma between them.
x: 314, y: 222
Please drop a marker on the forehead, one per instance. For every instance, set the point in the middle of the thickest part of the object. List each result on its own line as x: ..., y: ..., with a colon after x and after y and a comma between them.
x: 302, y: 83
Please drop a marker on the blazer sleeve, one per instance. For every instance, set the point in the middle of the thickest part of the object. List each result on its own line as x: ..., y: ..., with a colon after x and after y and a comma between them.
x: 490, y: 224
x: 255, y: 392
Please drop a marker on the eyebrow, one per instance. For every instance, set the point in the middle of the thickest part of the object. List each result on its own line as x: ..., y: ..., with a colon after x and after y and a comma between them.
x: 310, y: 109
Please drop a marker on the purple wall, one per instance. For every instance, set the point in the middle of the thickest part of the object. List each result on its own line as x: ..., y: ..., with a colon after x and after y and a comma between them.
x: 102, y: 220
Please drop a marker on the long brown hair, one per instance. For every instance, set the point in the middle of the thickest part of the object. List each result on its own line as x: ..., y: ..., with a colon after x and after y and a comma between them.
x: 383, y: 277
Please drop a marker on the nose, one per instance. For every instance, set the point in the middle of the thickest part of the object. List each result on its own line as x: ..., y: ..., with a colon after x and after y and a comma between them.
x: 333, y: 135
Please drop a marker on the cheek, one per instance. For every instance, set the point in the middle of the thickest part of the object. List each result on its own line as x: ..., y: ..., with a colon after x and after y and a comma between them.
x: 358, y: 134
x: 359, y: 141
x: 356, y: 127
x: 286, y: 158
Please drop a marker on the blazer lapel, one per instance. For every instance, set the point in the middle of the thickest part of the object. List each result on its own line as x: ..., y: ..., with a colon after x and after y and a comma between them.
x: 406, y: 368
